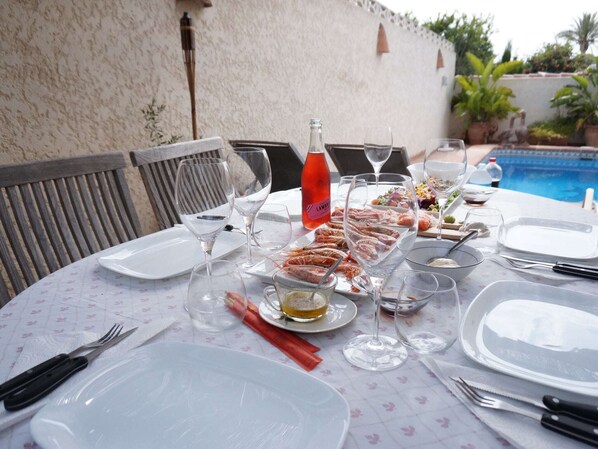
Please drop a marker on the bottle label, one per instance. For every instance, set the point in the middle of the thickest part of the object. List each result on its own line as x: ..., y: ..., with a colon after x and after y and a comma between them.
x: 318, y: 210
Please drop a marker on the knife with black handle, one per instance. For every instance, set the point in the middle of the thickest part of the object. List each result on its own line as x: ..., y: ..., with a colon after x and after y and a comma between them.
x: 52, y: 379
x: 26, y: 377
x: 585, y: 271
x: 580, y: 410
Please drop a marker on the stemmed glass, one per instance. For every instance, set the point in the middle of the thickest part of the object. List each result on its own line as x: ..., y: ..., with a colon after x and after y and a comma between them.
x: 204, y: 197
x: 252, y: 179
x: 377, y: 146
x: 445, y: 164
x: 379, y: 238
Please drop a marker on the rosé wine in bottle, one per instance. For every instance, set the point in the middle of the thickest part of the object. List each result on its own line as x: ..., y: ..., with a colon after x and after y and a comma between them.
x: 315, y: 180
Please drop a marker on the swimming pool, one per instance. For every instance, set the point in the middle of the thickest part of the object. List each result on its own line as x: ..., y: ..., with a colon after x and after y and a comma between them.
x: 558, y: 174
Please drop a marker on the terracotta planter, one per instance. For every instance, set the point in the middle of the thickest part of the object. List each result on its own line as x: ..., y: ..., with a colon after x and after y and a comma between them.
x: 477, y: 133
x: 591, y: 135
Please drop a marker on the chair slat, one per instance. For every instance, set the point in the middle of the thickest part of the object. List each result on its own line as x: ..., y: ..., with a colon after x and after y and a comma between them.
x: 36, y: 223
x: 23, y: 235
x: 49, y: 217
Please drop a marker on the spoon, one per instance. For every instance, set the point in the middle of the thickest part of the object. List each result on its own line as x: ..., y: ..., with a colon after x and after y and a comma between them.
x: 330, y: 270
x: 461, y: 241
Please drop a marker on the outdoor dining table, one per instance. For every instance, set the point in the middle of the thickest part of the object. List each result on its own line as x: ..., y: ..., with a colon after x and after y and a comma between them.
x: 403, y: 408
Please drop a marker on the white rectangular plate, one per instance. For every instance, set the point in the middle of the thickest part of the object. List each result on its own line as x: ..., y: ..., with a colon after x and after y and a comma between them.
x: 182, y: 396
x: 537, y: 332
x: 557, y: 238
x: 165, y: 254
x: 266, y: 268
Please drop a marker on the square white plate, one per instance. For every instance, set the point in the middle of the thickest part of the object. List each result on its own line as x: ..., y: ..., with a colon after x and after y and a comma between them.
x: 176, y: 395
x: 537, y: 332
x: 165, y: 254
x: 557, y: 238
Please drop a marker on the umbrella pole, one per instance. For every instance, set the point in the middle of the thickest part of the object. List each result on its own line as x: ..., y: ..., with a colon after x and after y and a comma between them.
x: 188, y: 44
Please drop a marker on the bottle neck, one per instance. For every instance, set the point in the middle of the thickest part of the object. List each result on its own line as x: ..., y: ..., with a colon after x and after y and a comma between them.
x: 315, y: 139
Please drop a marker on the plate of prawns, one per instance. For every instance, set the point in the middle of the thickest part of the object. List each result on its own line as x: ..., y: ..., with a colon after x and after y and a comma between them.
x: 321, y: 247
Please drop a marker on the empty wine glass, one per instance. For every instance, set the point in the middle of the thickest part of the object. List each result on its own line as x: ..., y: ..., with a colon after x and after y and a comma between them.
x: 490, y: 224
x: 204, y: 197
x: 252, y: 179
x: 272, y: 228
x: 377, y: 146
x: 379, y: 238
x: 427, y: 312
x: 445, y: 164
x: 216, y: 300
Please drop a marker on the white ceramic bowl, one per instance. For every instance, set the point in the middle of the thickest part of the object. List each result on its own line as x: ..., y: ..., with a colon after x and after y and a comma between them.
x: 417, y: 172
x: 467, y: 257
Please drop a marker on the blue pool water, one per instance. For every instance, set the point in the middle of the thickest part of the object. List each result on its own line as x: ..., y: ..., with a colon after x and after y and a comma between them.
x: 561, y: 175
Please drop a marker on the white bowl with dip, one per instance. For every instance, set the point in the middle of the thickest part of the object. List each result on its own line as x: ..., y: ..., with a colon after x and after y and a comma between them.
x: 466, y: 257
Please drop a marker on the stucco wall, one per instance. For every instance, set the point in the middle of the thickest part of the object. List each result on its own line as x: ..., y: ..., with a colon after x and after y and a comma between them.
x: 76, y: 74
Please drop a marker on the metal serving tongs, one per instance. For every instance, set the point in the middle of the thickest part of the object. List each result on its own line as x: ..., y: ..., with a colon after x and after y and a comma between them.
x: 584, y: 271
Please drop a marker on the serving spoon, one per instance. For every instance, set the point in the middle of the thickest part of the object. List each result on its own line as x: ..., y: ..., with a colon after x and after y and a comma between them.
x: 330, y: 270
x: 457, y: 245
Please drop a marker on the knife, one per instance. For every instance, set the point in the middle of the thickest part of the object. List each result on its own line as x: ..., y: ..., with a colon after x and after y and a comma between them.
x: 563, y: 268
x: 574, y: 409
x: 56, y: 376
x: 565, y: 425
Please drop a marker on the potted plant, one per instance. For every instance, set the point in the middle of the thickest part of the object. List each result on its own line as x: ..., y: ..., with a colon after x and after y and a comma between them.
x: 581, y: 102
x: 481, y: 100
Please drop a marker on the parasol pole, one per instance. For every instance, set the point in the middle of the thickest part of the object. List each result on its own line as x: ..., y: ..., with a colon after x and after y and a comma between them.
x: 188, y: 43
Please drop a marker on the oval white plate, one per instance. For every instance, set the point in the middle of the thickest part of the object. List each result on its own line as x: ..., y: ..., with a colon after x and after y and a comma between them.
x: 341, y: 312
x: 176, y: 395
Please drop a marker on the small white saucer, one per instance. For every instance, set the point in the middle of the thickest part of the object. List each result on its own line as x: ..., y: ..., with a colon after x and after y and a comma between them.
x: 341, y: 312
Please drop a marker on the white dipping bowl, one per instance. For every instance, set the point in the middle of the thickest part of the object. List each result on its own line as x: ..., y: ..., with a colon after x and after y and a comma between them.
x: 466, y: 256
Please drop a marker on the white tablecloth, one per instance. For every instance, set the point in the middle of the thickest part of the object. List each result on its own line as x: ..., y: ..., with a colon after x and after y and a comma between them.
x: 404, y: 408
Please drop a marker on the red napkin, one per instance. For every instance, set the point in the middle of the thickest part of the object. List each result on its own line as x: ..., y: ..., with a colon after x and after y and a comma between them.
x: 295, y: 347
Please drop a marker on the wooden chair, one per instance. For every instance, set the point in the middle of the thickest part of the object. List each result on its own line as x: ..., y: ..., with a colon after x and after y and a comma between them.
x: 351, y: 160
x: 158, y: 167
x: 285, y: 160
x: 54, y: 212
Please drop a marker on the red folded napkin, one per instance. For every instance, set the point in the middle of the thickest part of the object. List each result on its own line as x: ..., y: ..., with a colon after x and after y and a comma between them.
x: 295, y: 347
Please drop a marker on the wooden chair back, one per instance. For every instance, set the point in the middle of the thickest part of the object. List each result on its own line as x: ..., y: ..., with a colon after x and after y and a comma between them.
x: 351, y: 160
x: 54, y: 212
x: 285, y: 160
x: 158, y: 167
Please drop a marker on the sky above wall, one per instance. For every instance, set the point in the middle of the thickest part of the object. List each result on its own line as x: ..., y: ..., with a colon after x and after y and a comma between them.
x: 528, y: 24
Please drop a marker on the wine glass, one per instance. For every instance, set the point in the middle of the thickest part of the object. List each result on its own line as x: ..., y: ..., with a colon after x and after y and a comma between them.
x: 379, y: 237
x: 377, y: 146
x: 445, y: 164
x: 272, y: 229
x: 204, y: 197
x: 490, y: 224
x: 216, y: 300
x: 427, y: 312
x: 252, y: 179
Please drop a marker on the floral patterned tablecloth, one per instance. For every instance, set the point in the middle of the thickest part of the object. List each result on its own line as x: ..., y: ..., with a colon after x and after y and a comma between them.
x: 404, y: 408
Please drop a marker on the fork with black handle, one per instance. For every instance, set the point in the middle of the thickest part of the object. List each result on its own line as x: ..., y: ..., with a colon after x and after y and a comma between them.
x: 26, y: 377
x: 55, y: 377
x: 557, y: 422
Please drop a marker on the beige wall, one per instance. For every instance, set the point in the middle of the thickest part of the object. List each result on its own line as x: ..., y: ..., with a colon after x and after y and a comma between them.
x: 532, y: 94
x: 76, y: 74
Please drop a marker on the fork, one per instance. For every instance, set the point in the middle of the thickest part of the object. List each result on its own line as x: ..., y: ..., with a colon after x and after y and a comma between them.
x: 26, y: 377
x: 560, y: 423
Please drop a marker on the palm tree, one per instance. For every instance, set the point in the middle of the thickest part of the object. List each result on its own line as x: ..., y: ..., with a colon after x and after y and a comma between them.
x: 584, y: 32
